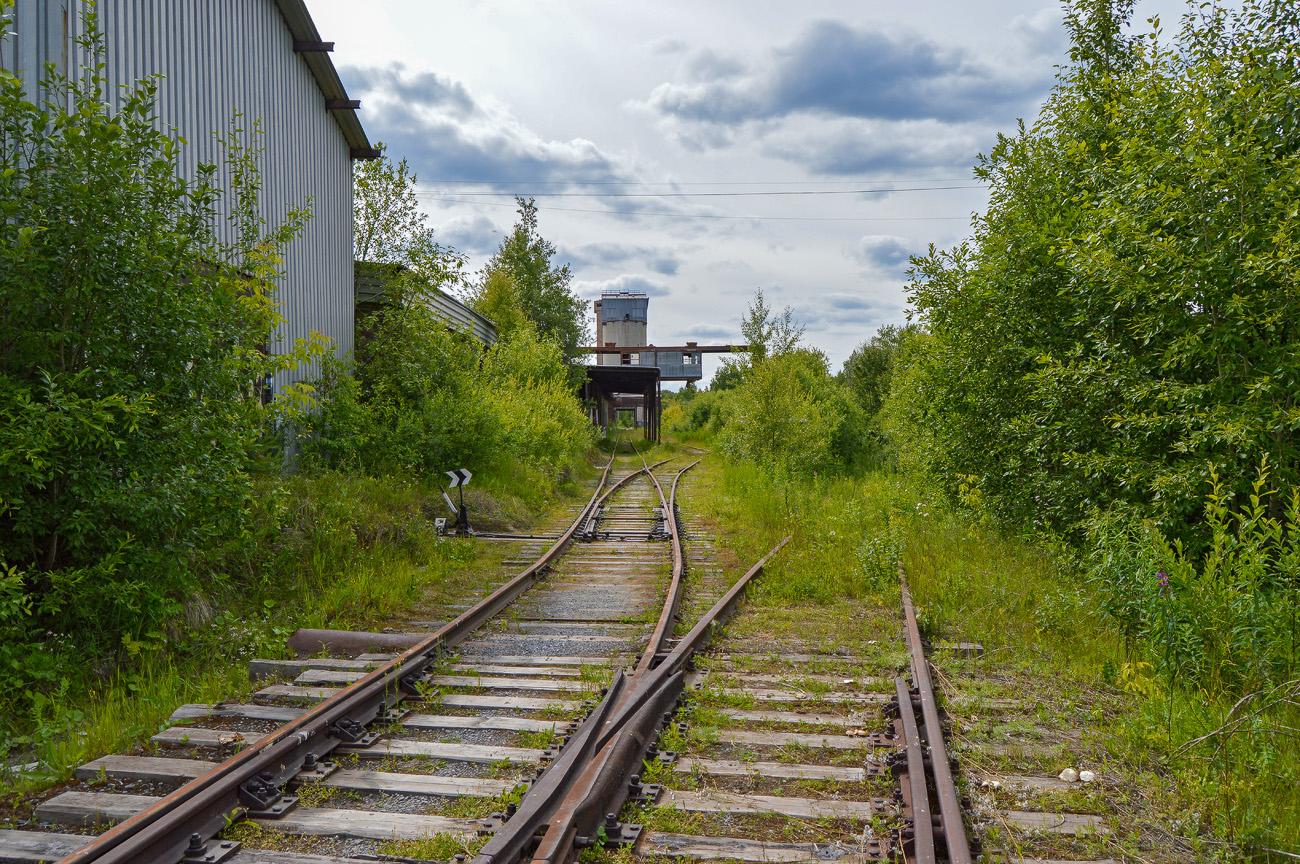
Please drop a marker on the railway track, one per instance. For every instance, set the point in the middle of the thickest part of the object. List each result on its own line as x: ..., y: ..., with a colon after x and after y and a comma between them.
x: 590, y: 702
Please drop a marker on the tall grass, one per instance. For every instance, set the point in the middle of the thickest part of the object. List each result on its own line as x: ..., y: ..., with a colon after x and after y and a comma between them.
x: 1037, y: 612
x: 332, y: 550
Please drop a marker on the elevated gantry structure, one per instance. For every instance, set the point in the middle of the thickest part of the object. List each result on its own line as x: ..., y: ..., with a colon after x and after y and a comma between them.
x: 628, y: 372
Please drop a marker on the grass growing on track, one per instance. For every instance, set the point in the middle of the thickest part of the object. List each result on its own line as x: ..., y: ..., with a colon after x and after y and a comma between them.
x: 1034, y: 614
x: 331, y: 550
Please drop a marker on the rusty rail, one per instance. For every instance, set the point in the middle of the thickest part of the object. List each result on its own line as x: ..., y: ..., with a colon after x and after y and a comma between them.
x: 668, y: 617
x: 952, y: 830
x: 619, y: 738
x: 208, y: 803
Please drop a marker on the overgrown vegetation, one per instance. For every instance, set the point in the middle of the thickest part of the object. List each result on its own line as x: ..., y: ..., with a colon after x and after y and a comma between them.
x: 130, y: 369
x: 151, y: 539
x: 1105, y: 369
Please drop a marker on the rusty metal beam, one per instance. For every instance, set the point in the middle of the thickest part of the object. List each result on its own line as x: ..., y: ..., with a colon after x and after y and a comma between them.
x: 916, y: 799
x: 634, y: 349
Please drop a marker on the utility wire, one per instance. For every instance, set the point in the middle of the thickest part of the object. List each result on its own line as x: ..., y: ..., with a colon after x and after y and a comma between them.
x: 699, y: 182
x: 431, y: 196
x: 705, y: 194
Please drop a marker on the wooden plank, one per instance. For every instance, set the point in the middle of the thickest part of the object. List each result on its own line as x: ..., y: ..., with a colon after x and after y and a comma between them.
x: 97, y: 808
x: 418, y: 784
x: 1056, y: 823
x: 740, y: 849
x: 368, y: 824
x: 507, y: 724
x: 274, y: 713
x: 979, y: 703
x: 267, y: 856
x: 194, y: 736
x: 1015, y: 751
x: 732, y: 768
x: 147, y: 769
x: 293, y: 691
x: 773, y: 657
x: 316, y: 677
x: 29, y: 847
x: 781, y: 739
x: 794, y: 717
x: 1034, y: 784
x: 490, y: 682
x: 285, y: 669
x: 326, y: 677
x: 723, y: 678
x: 542, y: 660
x: 486, y: 669
x: 575, y: 638
x: 525, y: 703
x: 802, y: 808
x: 483, y: 754
x: 423, y: 721
x: 767, y: 695
x: 605, y: 616
x: 91, y: 808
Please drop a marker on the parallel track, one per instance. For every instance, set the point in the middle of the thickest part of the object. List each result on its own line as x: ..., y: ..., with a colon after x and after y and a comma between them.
x: 552, y: 641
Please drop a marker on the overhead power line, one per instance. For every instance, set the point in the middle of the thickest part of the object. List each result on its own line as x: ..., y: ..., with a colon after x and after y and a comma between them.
x: 432, y: 197
x: 707, y: 194
x: 674, y: 183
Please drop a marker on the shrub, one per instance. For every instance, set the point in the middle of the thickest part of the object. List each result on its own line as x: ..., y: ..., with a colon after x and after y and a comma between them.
x: 1223, y: 620
x: 789, y: 414
x: 130, y: 356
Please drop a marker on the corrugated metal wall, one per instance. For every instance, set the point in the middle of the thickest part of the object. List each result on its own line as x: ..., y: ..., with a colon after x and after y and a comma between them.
x: 220, y: 57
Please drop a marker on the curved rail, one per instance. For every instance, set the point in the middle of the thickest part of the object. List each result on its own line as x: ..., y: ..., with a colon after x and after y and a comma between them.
x: 589, y: 782
x: 206, y: 804
x: 668, y: 617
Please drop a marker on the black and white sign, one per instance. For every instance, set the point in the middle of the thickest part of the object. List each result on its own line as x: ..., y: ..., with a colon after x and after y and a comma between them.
x: 459, y: 477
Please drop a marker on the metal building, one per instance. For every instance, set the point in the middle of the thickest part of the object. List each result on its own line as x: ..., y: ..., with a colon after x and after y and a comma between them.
x: 621, y: 320
x: 264, y: 60
x: 374, y: 287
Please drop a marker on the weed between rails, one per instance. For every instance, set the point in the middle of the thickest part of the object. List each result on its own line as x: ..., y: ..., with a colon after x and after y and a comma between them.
x: 835, y: 587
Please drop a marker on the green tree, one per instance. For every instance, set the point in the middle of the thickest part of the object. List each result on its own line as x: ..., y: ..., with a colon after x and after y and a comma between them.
x: 388, y: 227
x: 869, y: 369
x: 131, y: 355
x: 543, y: 291
x: 1127, y: 310
x: 790, y: 414
x: 766, y: 334
x: 499, y: 300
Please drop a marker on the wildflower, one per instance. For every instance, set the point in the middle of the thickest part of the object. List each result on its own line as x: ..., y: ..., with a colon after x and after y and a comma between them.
x: 1163, y: 581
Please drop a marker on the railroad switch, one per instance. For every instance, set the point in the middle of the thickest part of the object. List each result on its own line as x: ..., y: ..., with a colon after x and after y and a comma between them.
x: 209, y: 852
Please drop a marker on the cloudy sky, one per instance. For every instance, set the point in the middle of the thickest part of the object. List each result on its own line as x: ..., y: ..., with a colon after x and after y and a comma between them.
x: 701, y: 151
